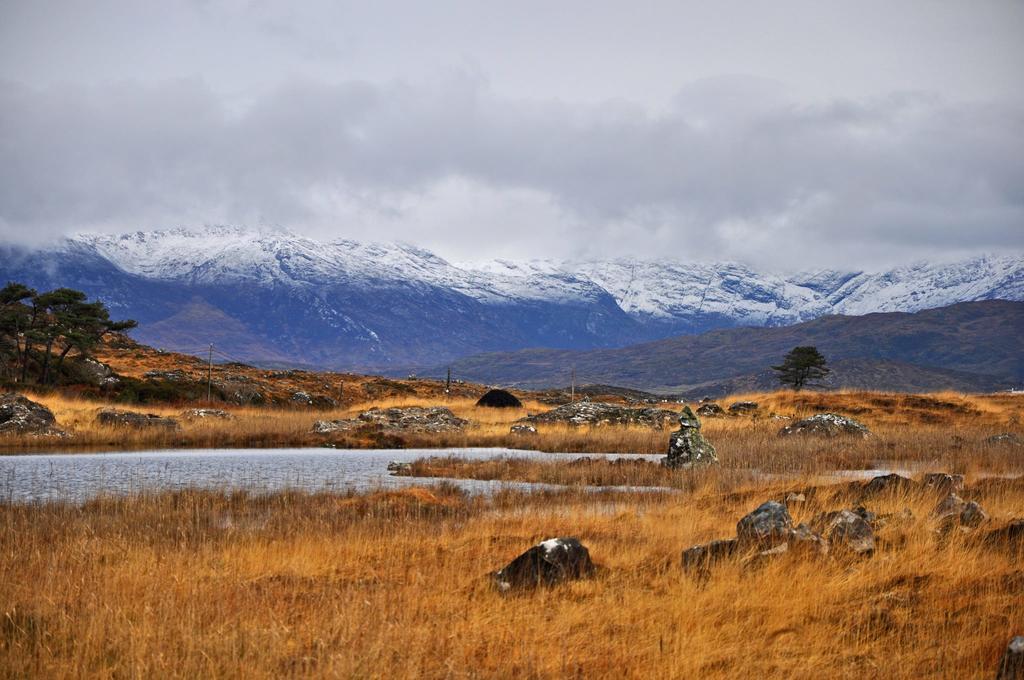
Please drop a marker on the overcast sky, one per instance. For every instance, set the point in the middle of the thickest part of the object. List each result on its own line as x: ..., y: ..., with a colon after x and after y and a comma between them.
x: 783, y: 134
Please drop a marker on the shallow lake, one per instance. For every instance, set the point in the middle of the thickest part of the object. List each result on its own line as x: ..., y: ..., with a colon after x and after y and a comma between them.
x: 77, y: 477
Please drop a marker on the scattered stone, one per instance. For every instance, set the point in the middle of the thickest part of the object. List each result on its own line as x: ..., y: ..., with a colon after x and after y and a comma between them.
x: 943, y: 482
x: 118, y: 418
x: 92, y: 372
x: 826, y: 425
x: 206, y: 414
x: 768, y: 525
x: 901, y: 518
x: 888, y: 484
x: 739, y: 407
x: 848, y: 530
x: 953, y: 512
x: 407, y: 419
x: 176, y: 375
x: 1005, y: 439
x: 545, y: 564
x: 687, y: 447
x: 400, y: 469
x: 1011, y: 666
x: 22, y: 416
x: 302, y: 398
x: 499, y: 399
x: 803, y: 540
x: 710, y: 410
x: 700, y: 558
x: 522, y: 429
x: 600, y: 413
x: 1009, y: 537
x: 792, y: 498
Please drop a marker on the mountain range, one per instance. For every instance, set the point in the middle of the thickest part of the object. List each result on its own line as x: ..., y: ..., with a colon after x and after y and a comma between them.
x: 275, y: 297
x: 969, y: 347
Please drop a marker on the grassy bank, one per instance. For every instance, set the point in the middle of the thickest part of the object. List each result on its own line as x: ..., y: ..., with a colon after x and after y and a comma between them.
x: 393, y: 584
x: 909, y: 427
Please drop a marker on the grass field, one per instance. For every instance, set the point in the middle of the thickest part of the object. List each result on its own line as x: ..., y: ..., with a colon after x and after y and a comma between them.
x: 393, y: 585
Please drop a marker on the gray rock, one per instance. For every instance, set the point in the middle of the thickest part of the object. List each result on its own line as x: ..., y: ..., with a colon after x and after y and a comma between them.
x: 397, y: 468
x: 739, y: 407
x: 522, y: 429
x: 847, y: 530
x: 545, y: 564
x: 888, y: 484
x: 954, y: 512
x: 596, y: 413
x: 1005, y: 439
x: 206, y: 414
x: 687, y: 447
x: 302, y: 398
x: 768, y: 525
x: 132, y: 419
x: 1011, y: 666
x: 700, y: 558
x: 397, y: 420
x: 92, y: 372
x: 826, y: 425
x: 942, y: 482
x: 22, y: 416
x: 710, y: 410
x: 169, y: 376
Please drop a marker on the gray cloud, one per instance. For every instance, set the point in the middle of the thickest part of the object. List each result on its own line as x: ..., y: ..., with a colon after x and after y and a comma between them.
x: 747, y: 167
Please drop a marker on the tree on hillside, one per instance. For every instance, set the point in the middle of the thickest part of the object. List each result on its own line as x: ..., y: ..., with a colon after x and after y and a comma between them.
x: 59, y: 320
x: 802, y: 366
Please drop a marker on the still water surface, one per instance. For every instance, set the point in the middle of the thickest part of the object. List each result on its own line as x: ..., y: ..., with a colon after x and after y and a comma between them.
x: 78, y: 477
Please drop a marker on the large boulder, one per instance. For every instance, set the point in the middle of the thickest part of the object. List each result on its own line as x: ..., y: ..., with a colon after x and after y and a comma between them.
x: 1011, y: 666
x: 132, y: 419
x: 417, y: 419
x: 687, y: 447
x: 545, y: 564
x: 942, y: 482
x: 826, y: 425
x: 600, y: 413
x: 22, y: 416
x: 499, y: 399
x: 767, y: 525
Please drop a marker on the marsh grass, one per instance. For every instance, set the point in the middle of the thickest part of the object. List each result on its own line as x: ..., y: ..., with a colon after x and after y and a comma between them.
x: 393, y: 585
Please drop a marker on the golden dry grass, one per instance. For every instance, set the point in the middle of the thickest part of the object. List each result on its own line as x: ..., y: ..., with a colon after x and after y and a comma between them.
x: 393, y: 585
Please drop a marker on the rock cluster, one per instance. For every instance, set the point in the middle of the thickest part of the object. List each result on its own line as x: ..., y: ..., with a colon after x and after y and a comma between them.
x: 826, y: 425
x: 687, y: 447
x: 206, y: 414
x: 545, y: 564
x: 954, y: 512
x: 132, y: 419
x: 1005, y: 439
x: 597, y: 413
x: 522, y: 429
x: 22, y: 416
x: 408, y: 419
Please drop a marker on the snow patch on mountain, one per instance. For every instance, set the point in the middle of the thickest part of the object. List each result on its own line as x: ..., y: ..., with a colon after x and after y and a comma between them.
x: 650, y: 292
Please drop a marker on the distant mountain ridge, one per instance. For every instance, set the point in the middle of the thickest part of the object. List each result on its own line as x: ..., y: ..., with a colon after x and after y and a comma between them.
x: 970, y: 346
x: 275, y: 296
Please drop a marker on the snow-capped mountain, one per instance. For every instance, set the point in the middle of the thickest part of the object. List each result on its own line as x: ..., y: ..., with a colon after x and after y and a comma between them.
x: 272, y: 295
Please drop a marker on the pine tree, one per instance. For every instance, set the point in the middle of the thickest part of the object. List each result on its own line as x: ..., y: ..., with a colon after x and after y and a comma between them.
x: 802, y: 366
